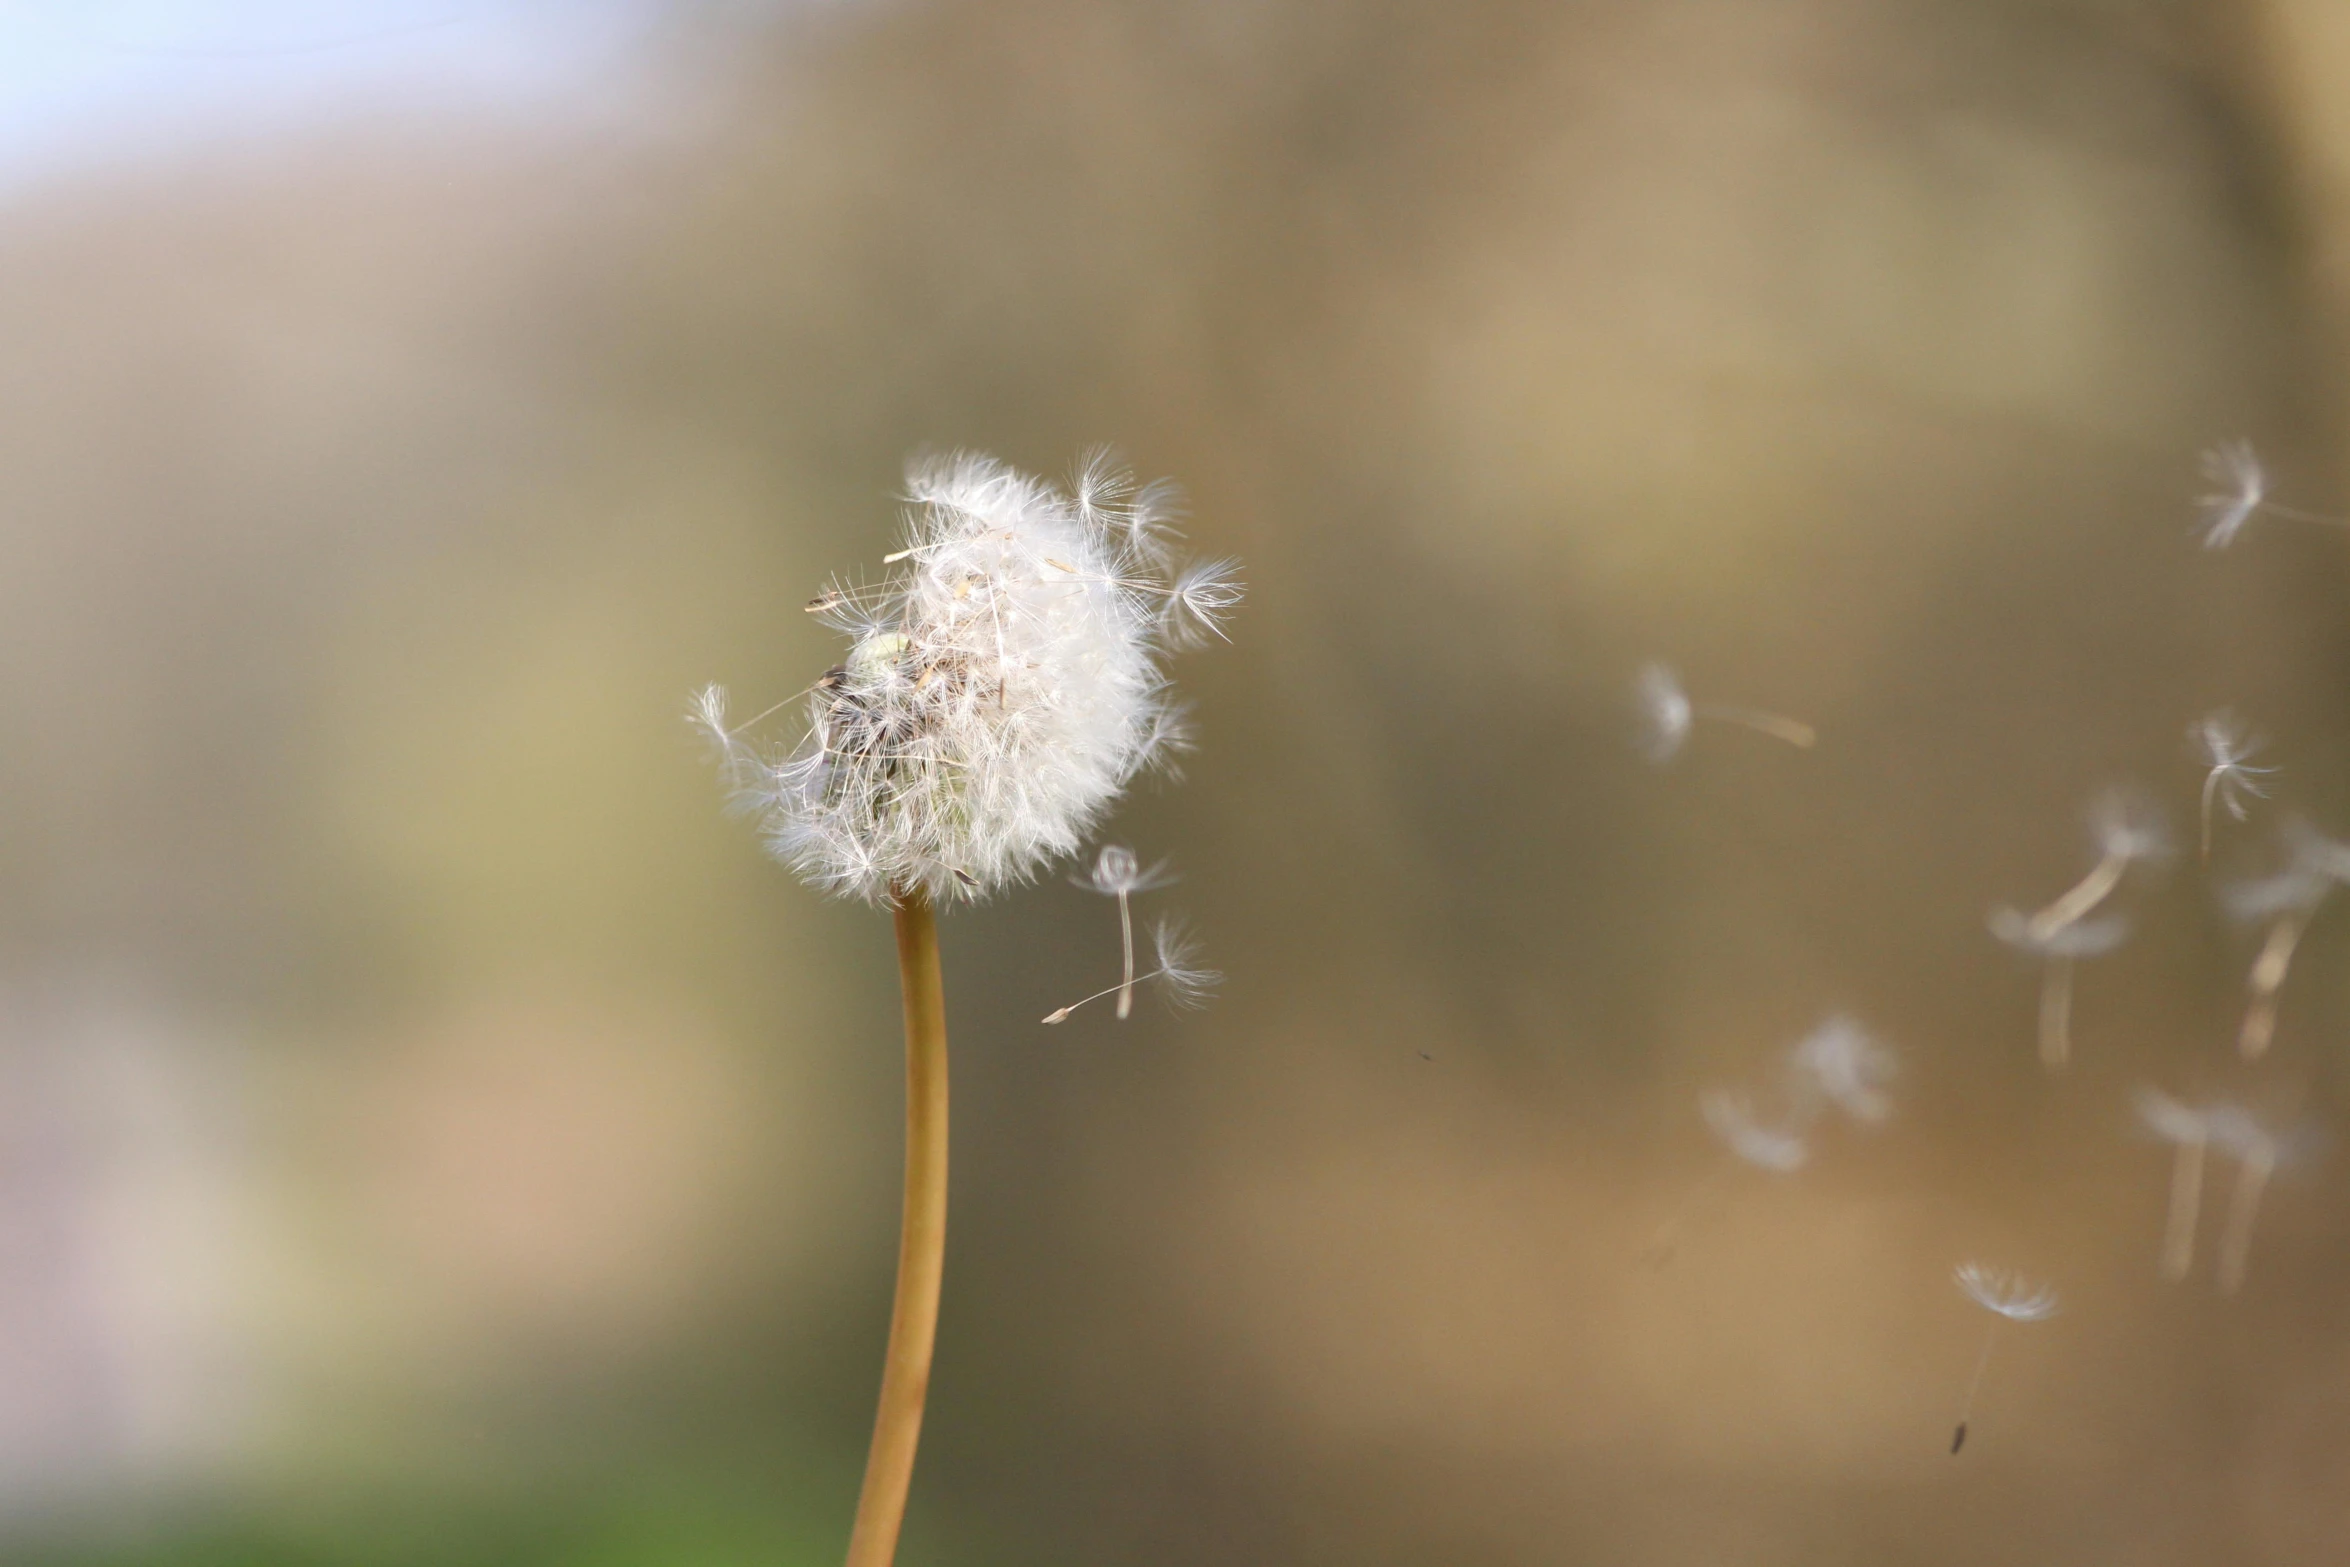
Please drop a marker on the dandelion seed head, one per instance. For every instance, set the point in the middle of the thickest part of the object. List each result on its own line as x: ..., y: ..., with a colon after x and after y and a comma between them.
x: 1842, y: 1063
x: 1733, y: 1119
x: 2012, y: 1297
x: 2243, y: 486
x: 1000, y: 688
x: 1666, y: 713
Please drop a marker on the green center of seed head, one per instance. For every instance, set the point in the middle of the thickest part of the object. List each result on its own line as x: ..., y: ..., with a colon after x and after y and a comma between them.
x: 879, y: 651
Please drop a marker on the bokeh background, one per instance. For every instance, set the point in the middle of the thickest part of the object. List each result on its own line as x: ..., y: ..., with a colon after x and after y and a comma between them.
x: 431, y: 1133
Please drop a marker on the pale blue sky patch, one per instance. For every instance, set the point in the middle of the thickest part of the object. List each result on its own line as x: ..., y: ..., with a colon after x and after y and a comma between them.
x: 89, y: 81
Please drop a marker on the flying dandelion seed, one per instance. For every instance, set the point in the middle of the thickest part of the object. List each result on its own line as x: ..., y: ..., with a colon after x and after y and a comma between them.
x: 2229, y: 779
x: 2008, y: 1299
x: 1667, y: 716
x: 2287, y: 901
x: 1181, y: 977
x: 1118, y: 874
x: 2242, y: 495
x: 2235, y: 467
x: 2127, y: 832
x: 2058, y: 950
x: 1732, y: 1116
x: 1774, y: 1145
x: 2188, y: 1131
x: 1840, y: 1062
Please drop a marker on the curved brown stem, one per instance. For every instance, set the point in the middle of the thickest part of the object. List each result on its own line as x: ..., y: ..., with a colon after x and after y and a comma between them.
x: 913, y: 1322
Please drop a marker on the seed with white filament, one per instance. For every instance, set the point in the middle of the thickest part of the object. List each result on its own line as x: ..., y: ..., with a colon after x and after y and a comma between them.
x: 2287, y: 902
x: 2242, y: 494
x: 2009, y: 1299
x: 2229, y: 778
x: 1181, y: 977
x: 2058, y: 949
x: 1118, y: 874
x: 1667, y: 716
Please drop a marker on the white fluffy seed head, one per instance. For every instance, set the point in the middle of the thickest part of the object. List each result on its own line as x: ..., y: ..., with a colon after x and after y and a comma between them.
x: 1733, y: 1119
x: 2080, y: 939
x: 2011, y: 1296
x: 2168, y: 1118
x: 2314, y: 853
x: 999, y: 690
x: 2128, y: 827
x: 2242, y: 488
x: 1183, y: 978
x: 1666, y: 713
x: 1840, y: 1062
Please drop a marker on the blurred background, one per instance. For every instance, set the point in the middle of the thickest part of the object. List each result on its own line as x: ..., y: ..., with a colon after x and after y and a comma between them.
x: 430, y: 1131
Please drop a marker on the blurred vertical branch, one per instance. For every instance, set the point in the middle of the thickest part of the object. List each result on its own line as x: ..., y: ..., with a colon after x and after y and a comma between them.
x: 2287, y: 60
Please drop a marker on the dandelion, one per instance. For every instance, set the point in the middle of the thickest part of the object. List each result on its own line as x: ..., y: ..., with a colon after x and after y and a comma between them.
x: 2229, y: 779
x: 2242, y: 494
x: 1002, y: 686
x: 2008, y: 1299
x: 2188, y: 1131
x: 2058, y: 949
x: 1840, y: 1062
x: 2287, y: 902
x: 1667, y: 716
x: 1182, y: 978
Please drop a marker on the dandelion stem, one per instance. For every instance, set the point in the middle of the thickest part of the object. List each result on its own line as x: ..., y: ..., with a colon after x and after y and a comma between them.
x: 2186, y: 1207
x: 2090, y: 891
x: 1126, y: 938
x: 2211, y: 783
x: 2056, y: 1013
x: 2268, y: 977
x: 913, y: 1323
x: 2235, y: 1247
x: 1793, y: 731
